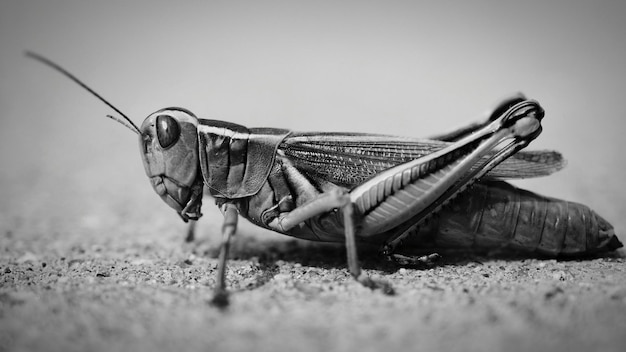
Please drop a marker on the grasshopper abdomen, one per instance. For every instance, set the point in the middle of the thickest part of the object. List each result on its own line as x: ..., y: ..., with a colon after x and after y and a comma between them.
x: 496, y: 216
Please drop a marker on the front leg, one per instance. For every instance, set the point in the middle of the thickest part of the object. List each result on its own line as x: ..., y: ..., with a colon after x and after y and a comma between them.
x: 231, y: 215
x: 191, y: 231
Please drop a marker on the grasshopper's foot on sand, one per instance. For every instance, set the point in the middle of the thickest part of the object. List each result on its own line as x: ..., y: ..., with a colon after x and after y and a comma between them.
x: 375, y: 284
x: 220, y: 299
x: 190, y: 236
x: 425, y: 261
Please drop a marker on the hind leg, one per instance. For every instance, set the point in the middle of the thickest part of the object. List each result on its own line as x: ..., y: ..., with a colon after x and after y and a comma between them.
x: 492, y: 114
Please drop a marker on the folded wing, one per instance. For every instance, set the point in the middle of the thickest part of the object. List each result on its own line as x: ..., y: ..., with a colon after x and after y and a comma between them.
x: 349, y: 159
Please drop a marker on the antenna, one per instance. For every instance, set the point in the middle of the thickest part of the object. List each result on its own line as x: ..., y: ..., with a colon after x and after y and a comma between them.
x: 63, y: 71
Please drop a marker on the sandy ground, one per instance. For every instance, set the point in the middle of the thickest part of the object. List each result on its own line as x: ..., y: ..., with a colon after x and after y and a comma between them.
x: 95, y: 300
x: 91, y: 259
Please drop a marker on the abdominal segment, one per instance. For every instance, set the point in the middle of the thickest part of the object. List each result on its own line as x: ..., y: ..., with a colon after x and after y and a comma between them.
x: 496, y: 216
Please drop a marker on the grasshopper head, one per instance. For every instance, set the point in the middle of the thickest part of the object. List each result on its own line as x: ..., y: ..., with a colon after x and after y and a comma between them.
x: 169, y: 149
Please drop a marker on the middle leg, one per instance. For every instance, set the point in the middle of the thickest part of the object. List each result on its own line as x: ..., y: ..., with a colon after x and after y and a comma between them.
x: 321, y: 204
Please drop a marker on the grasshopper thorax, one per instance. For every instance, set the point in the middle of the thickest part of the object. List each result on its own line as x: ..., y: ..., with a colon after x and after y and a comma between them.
x: 168, y: 142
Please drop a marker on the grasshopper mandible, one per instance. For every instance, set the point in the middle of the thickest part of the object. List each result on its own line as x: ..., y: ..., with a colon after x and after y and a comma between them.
x: 380, y: 189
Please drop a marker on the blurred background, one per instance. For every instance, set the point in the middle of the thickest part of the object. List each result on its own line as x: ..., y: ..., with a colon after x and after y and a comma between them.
x: 411, y: 68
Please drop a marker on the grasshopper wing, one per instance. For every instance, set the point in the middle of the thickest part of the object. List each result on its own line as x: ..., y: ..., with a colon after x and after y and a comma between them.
x: 529, y: 163
x: 349, y: 159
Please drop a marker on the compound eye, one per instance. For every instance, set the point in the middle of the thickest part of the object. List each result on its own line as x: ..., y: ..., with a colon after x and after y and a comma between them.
x: 168, y: 130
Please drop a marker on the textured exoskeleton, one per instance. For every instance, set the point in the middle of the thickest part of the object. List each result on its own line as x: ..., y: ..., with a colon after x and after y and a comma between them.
x: 374, y: 188
x: 444, y: 192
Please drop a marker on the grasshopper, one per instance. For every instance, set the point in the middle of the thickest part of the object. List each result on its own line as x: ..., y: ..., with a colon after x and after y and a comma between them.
x: 436, y: 193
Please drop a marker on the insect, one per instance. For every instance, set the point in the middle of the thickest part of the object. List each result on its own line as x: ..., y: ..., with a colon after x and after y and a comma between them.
x: 442, y: 192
